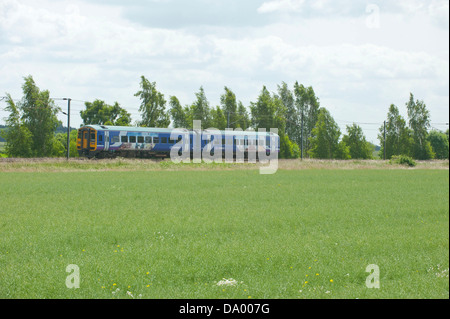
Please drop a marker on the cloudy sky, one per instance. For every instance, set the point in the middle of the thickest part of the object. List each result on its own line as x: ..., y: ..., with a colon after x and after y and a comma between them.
x: 359, y: 56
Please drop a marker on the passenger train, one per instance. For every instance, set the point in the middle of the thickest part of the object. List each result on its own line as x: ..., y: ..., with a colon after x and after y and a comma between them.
x: 100, y: 141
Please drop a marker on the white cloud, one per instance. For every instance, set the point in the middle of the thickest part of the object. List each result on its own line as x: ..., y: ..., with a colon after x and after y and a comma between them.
x: 88, y: 51
x: 281, y: 6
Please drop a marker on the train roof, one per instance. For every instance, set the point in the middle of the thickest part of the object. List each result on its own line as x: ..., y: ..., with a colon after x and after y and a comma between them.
x: 129, y: 128
x: 154, y: 130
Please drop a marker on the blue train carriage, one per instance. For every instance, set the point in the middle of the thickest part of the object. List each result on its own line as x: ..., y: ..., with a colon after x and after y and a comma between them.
x: 102, y: 141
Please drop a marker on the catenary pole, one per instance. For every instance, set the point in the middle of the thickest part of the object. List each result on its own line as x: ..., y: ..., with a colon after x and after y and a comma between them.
x: 68, y: 126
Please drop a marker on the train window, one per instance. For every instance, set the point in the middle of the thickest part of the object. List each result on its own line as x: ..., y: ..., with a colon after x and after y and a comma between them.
x: 132, y: 139
x: 164, y: 140
x: 93, y: 136
x: 148, y: 139
x: 115, y: 139
x: 124, y: 139
x: 156, y: 140
x: 79, y: 134
x: 100, y: 138
x: 140, y: 139
x: 85, y: 135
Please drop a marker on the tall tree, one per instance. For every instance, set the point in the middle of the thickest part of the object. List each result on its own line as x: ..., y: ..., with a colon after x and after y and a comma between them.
x: 263, y: 111
x: 307, y: 105
x: 292, y: 114
x: 398, y: 136
x: 39, y: 116
x: 229, y: 108
x: 419, y: 122
x: 98, y: 112
x: 356, y: 141
x: 178, y: 113
x: 243, y: 119
x: 153, y: 105
x: 324, y: 139
x: 200, y: 109
x: 218, y: 119
x: 17, y: 135
x: 268, y: 112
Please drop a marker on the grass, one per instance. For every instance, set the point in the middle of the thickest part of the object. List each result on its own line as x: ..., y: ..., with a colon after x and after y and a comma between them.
x: 166, y: 232
x: 121, y: 164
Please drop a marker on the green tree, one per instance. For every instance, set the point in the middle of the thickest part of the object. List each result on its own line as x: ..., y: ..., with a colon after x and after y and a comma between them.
x: 39, y: 116
x: 32, y: 122
x: 292, y: 114
x: 123, y: 118
x: 17, y: 136
x: 324, y: 139
x: 263, y: 111
x: 59, y: 147
x: 229, y: 107
x: 200, y: 109
x: 419, y: 122
x: 439, y: 143
x: 178, y: 114
x: 153, y: 105
x: 60, y: 144
x: 98, y: 112
x: 356, y: 141
x: 399, y: 138
x: 218, y: 119
x: 243, y: 120
x: 307, y: 105
x: 268, y: 112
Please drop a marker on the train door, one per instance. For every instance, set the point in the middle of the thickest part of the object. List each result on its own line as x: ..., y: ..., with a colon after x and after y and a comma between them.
x: 106, y: 140
x: 85, y: 140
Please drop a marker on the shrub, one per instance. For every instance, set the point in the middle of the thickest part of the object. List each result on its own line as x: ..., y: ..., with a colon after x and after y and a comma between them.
x: 402, y: 160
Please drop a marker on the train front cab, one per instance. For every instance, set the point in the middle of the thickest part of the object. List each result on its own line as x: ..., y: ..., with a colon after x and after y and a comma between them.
x: 87, y: 142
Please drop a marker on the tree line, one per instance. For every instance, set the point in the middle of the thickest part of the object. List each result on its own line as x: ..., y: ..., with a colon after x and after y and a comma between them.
x: 412, y: 137
x: 306, y: 128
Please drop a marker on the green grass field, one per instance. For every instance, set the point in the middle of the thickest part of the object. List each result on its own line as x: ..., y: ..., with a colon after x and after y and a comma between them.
x: 175, y: 234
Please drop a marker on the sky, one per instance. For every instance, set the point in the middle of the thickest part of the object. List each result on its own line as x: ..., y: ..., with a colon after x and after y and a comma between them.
x: 359, y: 56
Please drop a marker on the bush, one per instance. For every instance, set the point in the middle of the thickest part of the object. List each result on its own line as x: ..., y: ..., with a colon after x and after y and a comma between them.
x: 402, y: 160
